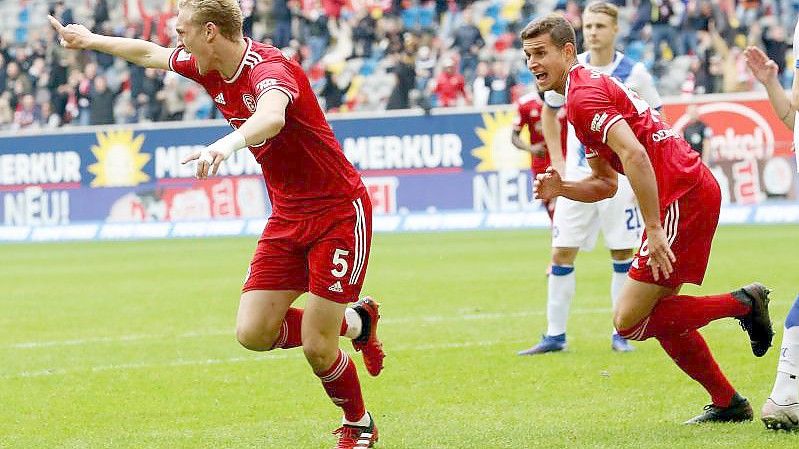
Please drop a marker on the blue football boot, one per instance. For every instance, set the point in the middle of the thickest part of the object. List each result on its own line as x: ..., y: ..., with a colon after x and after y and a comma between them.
x: 549, y: 343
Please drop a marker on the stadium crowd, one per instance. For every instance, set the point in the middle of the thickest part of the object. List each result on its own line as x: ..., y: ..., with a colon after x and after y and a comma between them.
x: 368, y: 55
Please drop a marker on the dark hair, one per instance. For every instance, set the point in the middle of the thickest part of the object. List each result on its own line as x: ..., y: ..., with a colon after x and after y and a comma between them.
x: 553, y: 24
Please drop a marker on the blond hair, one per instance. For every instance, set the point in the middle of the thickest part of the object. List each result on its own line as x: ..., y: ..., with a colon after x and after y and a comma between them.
x: 225, y: 14
x: 606, y: 8
x: 554, y: 24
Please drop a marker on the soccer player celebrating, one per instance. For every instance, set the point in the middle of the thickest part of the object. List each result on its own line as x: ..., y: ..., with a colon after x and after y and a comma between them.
x: 318, y: 237
x: 576, y: 224
x: 679, y: 201
x: 781, y: 410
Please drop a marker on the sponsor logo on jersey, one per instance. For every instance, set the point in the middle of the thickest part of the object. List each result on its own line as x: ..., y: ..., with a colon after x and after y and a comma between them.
x: 336, y: 287
x: 220, y: 98
x: 249, y: 101
x: 664, y: 134
x: 598, y: 121
x: 269, y: 82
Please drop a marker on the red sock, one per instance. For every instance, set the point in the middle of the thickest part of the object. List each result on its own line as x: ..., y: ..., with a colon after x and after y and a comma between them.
x: 690, y: 352
x: 674, y: 315
x: 290, y: 334
x: 342, y: 385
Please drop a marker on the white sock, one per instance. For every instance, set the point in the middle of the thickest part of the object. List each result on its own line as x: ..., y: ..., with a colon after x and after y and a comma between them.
x: 560, y: 292
x: 786, y: 385
x: 354, y: 323
x: 617, y: 280
x: 363, y: 422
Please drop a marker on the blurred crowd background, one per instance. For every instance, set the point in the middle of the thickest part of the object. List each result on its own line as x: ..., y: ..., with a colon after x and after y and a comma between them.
x: 369, y: 55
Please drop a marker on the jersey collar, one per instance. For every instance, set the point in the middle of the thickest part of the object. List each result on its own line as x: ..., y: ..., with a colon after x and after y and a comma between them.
x: 241, y: 63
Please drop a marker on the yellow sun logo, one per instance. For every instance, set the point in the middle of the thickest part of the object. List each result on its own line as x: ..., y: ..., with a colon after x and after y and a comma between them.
x: 498, y: 152
x: 119, y: 162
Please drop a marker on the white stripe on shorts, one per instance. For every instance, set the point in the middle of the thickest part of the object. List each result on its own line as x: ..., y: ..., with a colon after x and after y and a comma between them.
x: 360, y: 241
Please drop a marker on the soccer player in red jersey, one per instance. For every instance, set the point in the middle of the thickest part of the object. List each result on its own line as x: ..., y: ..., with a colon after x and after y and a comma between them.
x: 679, y: 201
x: 318, y: 237
x: 528, y: 114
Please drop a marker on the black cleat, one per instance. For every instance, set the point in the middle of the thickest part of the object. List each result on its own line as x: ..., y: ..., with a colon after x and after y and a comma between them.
x: 739, y: 410
x: 757, y: 322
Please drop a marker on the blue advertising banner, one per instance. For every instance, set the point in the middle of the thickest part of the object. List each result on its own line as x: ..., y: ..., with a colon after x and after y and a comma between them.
x: 423, y: 172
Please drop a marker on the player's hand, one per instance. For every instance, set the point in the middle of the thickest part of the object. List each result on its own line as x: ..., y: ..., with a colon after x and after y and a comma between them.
x: 661, y: 257
x: 208, y: 161
x: 547, y: 185
x: 72, y: 36
x: 763, y: 68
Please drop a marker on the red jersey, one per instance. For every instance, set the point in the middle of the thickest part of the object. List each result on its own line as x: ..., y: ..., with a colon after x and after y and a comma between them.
x: 303, y: 165
x: 595, y: 101
x: 528, y: 113
x: 449, y: 87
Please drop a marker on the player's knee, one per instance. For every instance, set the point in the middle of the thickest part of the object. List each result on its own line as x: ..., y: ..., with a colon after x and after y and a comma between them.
x: 623, y: 321
x: 319, y: 355
x: 564, y: 256
x: 254, y: 340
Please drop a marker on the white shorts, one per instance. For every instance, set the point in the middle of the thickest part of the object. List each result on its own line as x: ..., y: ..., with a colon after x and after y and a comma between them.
x: 577, y: 225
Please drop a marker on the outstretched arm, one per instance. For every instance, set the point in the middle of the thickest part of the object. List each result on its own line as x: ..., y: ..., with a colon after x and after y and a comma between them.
x: 137, y: 51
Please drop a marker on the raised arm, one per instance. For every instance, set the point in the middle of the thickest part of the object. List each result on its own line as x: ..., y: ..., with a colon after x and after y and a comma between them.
x: 137, y: 51
x: 765, y: 70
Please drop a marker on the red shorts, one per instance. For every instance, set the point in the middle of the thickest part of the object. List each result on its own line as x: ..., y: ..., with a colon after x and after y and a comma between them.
x: 690, y: 223
x: 325, y: 254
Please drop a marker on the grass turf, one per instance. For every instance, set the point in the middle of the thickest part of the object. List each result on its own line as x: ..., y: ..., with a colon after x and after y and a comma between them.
x: 131, y: 345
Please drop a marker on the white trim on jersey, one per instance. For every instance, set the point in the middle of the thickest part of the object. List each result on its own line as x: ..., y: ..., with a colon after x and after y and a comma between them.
x: 243, y: 62
x: 672, y: 221
x: 360, y: 241
x: 610, y: 123
x: 280, y: 88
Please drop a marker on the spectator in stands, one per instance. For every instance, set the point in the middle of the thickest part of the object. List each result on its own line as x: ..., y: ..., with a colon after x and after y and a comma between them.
x: 450, y: 86
x: 6, y: 112
x: 468, y: 41
x: 332, y: 94
x: 27, y: 113
x: 48, y: 118
x: 317, y: 32
x: 364, y: 34
x: 101, y: 102
x: 660, y: 16
x: 500, y: 84
x: 480, y: 86
x: 404, y: 80
x: 425, y: 63
x: 171, y: 96
x: 281, y: 14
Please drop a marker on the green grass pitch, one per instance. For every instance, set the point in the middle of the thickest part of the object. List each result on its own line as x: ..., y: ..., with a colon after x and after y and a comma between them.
x: 131, y: 345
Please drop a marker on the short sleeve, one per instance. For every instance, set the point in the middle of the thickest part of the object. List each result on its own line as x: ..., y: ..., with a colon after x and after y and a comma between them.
x: 274, y: 74
x: 593, y: 109
x: 182, y: 62
x: 590, y: 153
x: 553, y: 99
x: 644, y: 86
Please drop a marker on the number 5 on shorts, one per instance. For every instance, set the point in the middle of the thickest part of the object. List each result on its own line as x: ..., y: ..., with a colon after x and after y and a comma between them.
x: 340, y: 263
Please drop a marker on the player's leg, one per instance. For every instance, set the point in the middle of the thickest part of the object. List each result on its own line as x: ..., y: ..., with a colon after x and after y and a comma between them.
x: 621, y: 227
x: 781, y: 410
x: 622, y: 259
x: 648, y: 310
x: 265, y: 321
x: 574, y: 228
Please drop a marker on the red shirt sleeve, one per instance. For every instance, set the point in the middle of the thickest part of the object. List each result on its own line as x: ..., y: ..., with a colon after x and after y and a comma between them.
x: 183, y: 63
x: 518, y: 120
x: 274, y: 74
x: 594, y: 111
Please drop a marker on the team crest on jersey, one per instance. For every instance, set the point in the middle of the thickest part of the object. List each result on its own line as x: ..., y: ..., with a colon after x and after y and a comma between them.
x: 249, y: 101
x: 598, y: 121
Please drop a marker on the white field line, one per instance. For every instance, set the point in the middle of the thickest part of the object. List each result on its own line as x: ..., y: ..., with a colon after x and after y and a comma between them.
x: 231, y: 332
x: 230, y: 360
